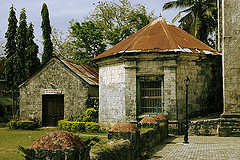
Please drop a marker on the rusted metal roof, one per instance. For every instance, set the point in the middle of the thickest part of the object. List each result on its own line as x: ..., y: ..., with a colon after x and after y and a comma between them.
x: 87, y: 73
x: 159, y: 36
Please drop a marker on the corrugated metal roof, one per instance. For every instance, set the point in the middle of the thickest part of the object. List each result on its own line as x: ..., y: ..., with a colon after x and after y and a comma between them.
x: 87, y: 73
x: 159, y: 36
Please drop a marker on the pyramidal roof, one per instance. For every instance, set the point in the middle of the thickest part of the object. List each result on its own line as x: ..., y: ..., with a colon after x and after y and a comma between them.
x: 159, y: 36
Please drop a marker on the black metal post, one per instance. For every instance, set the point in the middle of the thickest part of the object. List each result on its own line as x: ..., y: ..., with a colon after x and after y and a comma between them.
x: 187, y: 82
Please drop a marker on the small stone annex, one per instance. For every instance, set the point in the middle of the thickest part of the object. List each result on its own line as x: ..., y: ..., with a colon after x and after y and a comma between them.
x: 58, y: 89
x: 145, y: 73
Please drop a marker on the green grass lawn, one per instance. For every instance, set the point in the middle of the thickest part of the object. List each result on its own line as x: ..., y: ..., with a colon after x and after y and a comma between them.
x: 11, y: 139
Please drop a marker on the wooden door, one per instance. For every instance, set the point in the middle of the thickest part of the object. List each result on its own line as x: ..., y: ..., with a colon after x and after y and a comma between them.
x: 53, y: 109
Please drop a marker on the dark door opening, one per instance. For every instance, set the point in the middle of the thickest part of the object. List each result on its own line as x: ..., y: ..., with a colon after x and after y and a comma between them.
x: 52, y: 109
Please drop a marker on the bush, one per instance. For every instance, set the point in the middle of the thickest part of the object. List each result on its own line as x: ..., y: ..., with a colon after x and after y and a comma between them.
x: 78, y: 126
x: 92, y: 127
x: 71, y: 126
x: 77, y: 118
x: 60, y: 124
x: 12, y: 124
x: 90, y: 115
x: 24, y: 125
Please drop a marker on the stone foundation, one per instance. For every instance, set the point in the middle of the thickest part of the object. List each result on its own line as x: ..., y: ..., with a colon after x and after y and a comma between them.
x: 208, y: 127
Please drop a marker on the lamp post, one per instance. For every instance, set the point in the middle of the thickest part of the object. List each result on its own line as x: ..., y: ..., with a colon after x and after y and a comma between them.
x: 187, y: 83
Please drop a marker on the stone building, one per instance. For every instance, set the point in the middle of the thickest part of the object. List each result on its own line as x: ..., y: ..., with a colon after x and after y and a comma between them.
x: 145, y: 73
x: 228, y: 43
x: 58, y: 89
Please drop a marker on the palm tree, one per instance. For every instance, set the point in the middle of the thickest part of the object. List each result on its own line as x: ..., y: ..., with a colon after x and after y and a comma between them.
x: 200, y: 17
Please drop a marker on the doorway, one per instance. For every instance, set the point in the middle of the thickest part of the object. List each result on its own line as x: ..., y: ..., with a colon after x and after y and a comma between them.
x: 52, y: 109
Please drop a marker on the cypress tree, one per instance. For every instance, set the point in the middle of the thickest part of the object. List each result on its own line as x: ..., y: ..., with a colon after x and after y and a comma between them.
x: 20, y: 57
x: 32, y: 59
x: 10, y: 48
x: 46, y: 28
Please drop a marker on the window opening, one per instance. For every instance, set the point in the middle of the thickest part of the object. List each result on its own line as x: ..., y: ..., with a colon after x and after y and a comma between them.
x: 151, y: 96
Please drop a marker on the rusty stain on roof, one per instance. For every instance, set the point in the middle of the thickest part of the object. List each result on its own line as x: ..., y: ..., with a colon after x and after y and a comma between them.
x: 87, y: 73
x: 159, y: 36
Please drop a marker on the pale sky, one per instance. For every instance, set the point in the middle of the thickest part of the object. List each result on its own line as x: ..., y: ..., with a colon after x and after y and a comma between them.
x: 62, y: 11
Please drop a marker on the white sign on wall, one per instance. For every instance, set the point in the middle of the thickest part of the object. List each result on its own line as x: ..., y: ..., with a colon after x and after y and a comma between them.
x: 52, y: 91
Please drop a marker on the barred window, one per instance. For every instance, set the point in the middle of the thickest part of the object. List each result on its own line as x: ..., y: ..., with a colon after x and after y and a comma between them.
x: 151, y: 96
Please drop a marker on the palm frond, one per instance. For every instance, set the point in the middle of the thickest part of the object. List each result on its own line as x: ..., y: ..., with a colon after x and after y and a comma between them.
x: 179, y: 14
x: 177, y: 4
x: 201, y: 18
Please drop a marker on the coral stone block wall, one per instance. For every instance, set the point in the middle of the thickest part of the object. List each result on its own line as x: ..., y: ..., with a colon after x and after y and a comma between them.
x: 75, y: 91
x: 112, y: 94
x: 205, y: 89
x: 120, y: 78
x: 231, y: 58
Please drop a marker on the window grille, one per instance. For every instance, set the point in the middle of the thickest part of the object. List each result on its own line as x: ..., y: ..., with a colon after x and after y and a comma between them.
x: 151, y: 96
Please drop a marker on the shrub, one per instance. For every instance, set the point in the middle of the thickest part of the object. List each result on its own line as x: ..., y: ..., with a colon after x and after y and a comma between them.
x: 60, y: 124
x: 78, y: 126
x: 24, y: 125
x: 92, y: 127
x: 70, y: 118
x: 77, y: 118
x: 71, y: 126
x: 90, y: 115
x: 12, y: 124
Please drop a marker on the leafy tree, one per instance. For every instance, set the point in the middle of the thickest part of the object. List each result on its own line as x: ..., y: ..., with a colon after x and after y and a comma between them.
x: 200, y: 19
x: 46, y: 28
x: 33, y: 61
x: 10, y: 48
x: 88, y: 41
x: 119, y: 19
x: 109, y: 23
x: 10, y: 51
x: 62, y: 44
x: 20, y: 57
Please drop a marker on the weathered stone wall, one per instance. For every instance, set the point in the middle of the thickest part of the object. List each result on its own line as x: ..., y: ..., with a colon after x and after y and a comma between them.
x: 119, y: 85
x: 170, y: 89
x: 208, y: 127
x: 161, y: 65
x: 130, y: 90
x: 131, y: 148
x: 231, y: 58
x: 205, y: 89
x: 112, y: 94
x: 74, y: 89
x: 150, y: 67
